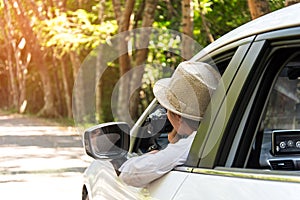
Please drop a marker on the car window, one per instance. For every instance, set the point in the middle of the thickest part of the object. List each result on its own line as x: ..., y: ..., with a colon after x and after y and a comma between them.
x: 269, y: 128
x: 220, y: 61
x: 153, y: 131
x: 279, y: 144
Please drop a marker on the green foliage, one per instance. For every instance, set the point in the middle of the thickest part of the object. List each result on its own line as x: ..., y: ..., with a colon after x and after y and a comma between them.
x: 74, y: 31
x: 163, y: 57
x: 164, y: 50
x: 109, y: 79
x: 276, y: 4
x: 168, y: 16
x: 78, y: 27
x: 221, y: 17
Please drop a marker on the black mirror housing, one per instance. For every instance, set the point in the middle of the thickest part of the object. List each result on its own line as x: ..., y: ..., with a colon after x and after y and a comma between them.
x: 107, y: 141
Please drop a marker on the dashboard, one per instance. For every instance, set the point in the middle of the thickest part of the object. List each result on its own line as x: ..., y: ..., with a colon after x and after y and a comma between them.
x: 280, y: 150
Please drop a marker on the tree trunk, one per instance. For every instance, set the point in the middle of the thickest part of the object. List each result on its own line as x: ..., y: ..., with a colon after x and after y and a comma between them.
x: 291, y: 2
x: 101, y: 11
x: 22, y: 74
x: 117, y: 11
x: 187, y: 29
x: 49, y: 109
x: 26, y: 28
x: 79, y: 109
x: 10, y: 43
x: 258, y: 8
x: 13, y: 83
x: 141, y: 57
x: 75, y: 63
x: 57, y: 84
x: 100, y: 67
x: 171, y: 10
x: 66, y: 88
x: 206, y: 27
x: 124, y: 59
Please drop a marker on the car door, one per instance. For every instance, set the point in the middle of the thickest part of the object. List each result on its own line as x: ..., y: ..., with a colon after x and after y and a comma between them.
x: 235, y: 160
x: 229, y: 56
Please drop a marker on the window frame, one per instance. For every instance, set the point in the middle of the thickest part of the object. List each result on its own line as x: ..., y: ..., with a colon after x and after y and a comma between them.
x: 240, y: 49
x: 237, y: 156
x: 260, y: 104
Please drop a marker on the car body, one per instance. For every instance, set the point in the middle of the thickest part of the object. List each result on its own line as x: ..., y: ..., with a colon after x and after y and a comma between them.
x: 247, y: 145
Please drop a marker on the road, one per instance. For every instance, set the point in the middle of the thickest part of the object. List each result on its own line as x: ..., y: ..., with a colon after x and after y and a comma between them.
x: 40, y: 160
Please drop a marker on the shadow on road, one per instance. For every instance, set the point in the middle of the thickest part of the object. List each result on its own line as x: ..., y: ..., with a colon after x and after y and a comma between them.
x: 45, y: 141
x: 31, y: 145
x: 40, y: 159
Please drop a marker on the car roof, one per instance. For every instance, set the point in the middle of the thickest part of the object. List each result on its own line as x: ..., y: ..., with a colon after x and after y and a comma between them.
x: 283, y: 18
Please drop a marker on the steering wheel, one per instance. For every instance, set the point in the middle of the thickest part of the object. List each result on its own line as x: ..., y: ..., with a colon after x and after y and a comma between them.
x: 156, y: 123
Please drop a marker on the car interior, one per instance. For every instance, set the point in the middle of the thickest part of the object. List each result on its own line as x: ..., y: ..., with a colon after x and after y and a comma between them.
x: 277, y: 143
x: 153, y: 134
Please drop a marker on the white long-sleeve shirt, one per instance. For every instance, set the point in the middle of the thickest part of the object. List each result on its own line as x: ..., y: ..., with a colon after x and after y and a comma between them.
x: 141, y: 170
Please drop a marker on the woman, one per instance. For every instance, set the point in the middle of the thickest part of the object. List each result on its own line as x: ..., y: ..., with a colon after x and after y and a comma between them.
x: 186, y: 96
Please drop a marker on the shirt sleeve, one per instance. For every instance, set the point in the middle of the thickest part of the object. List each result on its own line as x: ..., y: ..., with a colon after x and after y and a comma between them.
x: 141, y: 170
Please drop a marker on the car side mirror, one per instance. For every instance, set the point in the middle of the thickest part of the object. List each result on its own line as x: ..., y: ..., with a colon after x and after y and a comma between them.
x: 107, y: 141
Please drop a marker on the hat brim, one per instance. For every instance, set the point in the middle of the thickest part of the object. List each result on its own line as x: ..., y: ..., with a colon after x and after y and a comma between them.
x: 160, y: 91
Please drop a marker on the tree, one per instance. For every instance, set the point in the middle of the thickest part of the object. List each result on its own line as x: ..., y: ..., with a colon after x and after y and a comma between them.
x: 187, y: 28
x: 258, y: 8
x: 18, y: 60
x: 125, y: 64
x: 204, y: 8
x: 26, y: 28
x: 44, y: 43
x: 291, y: 2
x: 70, y: 35
x: 10, y: 42
x: 123, y: 19
x: 141, y: 56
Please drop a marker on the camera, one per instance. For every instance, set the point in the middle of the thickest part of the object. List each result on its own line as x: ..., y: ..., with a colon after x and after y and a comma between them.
x: 158, y: 122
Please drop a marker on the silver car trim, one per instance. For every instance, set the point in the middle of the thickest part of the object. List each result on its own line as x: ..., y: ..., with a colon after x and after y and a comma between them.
x: 268, y: 175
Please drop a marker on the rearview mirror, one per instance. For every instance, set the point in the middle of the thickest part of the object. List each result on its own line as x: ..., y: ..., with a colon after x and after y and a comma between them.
x: 107, y: 141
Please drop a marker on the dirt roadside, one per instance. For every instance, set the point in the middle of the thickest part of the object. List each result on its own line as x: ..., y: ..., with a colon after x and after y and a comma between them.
x: 40, y: 159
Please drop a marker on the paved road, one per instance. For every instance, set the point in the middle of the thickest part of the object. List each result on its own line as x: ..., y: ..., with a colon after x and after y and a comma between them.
x: 39, y: 160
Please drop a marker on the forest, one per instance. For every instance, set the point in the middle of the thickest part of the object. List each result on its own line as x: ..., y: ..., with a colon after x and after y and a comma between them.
x: 95, y: 60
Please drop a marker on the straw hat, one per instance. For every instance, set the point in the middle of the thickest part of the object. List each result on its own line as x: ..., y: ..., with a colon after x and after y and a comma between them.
x: 188, y: 92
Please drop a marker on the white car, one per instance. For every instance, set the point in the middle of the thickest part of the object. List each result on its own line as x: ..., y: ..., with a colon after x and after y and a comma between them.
x: 248, y: 146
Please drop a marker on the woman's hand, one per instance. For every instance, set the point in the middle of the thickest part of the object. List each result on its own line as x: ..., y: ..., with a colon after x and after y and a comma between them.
x: 153, y: 151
